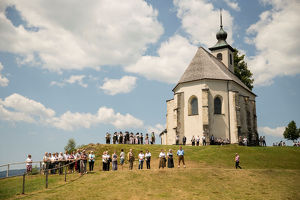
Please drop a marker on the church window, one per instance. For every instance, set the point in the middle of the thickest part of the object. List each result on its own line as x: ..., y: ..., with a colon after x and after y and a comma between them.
x: 219, y: 56
x: 193, y: 106
x: 230, y: 58
x: 218, y: 105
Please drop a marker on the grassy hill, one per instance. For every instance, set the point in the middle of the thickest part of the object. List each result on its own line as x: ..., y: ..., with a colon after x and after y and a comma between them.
x: 268, y: 173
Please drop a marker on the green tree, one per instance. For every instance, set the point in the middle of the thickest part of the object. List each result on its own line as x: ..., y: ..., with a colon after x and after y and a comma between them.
x: 241, y: 69
x: 71, y: 145
x: 291, y: 132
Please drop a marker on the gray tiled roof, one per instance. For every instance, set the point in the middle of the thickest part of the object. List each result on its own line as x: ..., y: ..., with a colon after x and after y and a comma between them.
x: 206, y: 66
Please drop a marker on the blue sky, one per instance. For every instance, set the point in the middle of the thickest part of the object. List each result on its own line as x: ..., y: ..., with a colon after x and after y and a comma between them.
x: 72, y: 70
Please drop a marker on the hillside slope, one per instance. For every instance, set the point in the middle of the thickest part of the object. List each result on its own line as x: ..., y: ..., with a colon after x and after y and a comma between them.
x: 269, y: 173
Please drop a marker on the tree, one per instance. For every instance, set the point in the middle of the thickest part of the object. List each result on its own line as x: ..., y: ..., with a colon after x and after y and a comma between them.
x: 70, y: 146
x: 291, y: 132
x: 241, y: 69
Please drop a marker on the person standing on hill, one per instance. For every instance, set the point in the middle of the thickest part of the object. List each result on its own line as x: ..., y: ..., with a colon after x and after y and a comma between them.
x: 180, y: 154
x: 198, y: 140
x: 130, y: 159
x: 104, y: 161
x: 162, y: 159
x: 203, y: 140
x: 29, y: 164
x: 122, y: 158
x: 141, y: 159
x: 193, y: 141
x: 170, y: 159
x: 237, y: 161
x: 148, y: 158
x: 184, y: 140
x: 91, y: 161
x: 114, y: 161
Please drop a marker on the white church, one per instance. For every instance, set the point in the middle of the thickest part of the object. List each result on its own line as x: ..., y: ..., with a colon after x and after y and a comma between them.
x: 210, y: 100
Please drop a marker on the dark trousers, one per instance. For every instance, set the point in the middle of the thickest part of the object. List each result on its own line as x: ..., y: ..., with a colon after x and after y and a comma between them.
x: 203, y: 142
x: 91, y: 165
x: 141, y: 163
x: 61, y: 169
x: 78, y: 166
x: 148, y: 163
x: 197, y: 143
x: 237, y: 165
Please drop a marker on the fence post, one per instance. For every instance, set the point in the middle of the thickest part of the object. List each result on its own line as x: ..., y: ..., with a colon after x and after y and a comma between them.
x: 41, y: 168
x: 66, y: 174
x: 23, y: 189
x: 47, y: 179
x: 7, y: 172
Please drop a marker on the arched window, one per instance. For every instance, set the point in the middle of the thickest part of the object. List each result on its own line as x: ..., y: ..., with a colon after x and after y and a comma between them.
x: 219, y: 56
x: 230, y: 58
x: 193, y: 106
x: 218, y: 105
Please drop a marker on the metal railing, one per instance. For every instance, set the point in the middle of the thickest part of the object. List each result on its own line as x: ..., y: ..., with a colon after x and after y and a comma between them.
x: 19, y: 163
x: 63, y: 170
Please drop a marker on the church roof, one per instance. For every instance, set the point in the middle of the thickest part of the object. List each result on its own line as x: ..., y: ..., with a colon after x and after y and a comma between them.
x: 206, y: 66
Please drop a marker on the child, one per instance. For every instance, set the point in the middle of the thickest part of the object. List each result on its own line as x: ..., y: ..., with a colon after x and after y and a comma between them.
x: 29, y: 164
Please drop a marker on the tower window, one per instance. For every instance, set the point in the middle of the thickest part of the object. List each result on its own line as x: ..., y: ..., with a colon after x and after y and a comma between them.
x: 218, y: 105
x: 193, y: 106
x: 219, y: 56
x: 230, y: 58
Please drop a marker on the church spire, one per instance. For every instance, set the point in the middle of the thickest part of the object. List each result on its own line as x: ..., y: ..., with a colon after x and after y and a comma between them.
x: 221, y: 25
x: 221, y: 36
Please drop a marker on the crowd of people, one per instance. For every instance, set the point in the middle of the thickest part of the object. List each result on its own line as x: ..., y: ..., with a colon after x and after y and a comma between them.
x: 196, y: 141
x: 296, y: 143
x: 130, y: 138
x: 165, y: 159
x: 279, y: 144
x: 75, y: 161
x: 262, y: 141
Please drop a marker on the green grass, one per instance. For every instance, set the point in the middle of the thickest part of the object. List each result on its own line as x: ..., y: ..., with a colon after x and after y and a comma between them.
x: 269, y: 173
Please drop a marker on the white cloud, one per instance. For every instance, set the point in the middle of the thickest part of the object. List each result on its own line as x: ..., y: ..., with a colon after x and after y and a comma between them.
x: 71, y: 80
x: 20, y: 104
x: 201, y: 21
x: 233, y: 4
x: 278, y: 131
x: 173, y: 58
x: 3, y: 80
x: 77, y: 35
x: 19, y: 108
x: 277, y: 42
x: 116, y: 86
x: 158, y: 128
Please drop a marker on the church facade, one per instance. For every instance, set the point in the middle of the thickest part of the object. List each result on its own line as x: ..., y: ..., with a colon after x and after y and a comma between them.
x: 210, y: 100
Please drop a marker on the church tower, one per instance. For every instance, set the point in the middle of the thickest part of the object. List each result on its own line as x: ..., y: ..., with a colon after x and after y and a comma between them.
x: 222, y: 50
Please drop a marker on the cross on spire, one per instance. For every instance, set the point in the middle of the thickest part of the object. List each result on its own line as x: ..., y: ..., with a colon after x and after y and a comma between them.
x: 221, y: 25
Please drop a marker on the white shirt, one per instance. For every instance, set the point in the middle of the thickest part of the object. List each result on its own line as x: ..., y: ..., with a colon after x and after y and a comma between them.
x: 141, y: 156
x: 60, y: 157
x: 122, y: 155
x: 28, y: 161
x: 66, y: 156
x: 162, y: 155
x: 147, y: 155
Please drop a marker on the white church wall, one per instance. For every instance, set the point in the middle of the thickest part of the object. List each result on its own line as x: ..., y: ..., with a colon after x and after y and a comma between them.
x: 192, y: 123
x: 169, y: 137
x: 219, y: 123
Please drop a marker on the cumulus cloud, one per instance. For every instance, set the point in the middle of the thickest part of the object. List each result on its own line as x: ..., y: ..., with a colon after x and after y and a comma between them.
x: 158, y: 128
x: 3, y: 80
x: 173, y: 58
x: 233, y: 4
x: 71, y: 80
x: 116, y: 86
x: 277, y: 42
x: 278, y: 131
x: 74, y: 34
x: 19, y: 108
x: 200, y: 20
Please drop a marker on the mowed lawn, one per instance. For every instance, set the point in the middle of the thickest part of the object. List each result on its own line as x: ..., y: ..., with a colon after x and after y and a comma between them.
x: 268, y: 173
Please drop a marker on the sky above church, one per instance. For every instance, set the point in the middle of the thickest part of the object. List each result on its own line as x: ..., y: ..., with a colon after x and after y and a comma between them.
x: 78, y: 69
